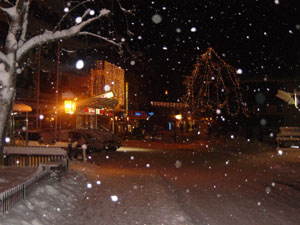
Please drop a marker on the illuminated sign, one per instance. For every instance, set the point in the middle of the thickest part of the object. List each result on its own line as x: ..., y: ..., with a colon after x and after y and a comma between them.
x: 107, y: 95
x: 139, y: 115
x: 89, y: 110
x: 100, y: 111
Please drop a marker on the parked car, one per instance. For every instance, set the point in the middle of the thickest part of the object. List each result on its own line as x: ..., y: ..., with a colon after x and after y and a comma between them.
x: 20, y: 137
x: 96, y: 140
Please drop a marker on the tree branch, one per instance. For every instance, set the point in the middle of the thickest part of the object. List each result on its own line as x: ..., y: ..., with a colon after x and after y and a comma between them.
x: 64, y: 16
x: 8, y: 2
x: 9, y: 11
x: 24, y: 24
x: 100, y: 37
x: 49, y: 36
x: 4, y: 58
x: 123, y: 9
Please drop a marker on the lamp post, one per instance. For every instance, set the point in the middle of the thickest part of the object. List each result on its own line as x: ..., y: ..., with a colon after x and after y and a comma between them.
x: 56, y: 90
x: 178, y: 117
x: 70, y: 104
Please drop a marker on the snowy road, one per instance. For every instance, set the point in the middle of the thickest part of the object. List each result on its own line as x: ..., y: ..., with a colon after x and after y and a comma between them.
x: 210, y: 187
x: 157, y: 185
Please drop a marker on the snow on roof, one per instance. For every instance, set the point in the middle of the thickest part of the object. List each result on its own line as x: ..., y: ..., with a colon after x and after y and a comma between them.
x: 34, y: 150
x: 22, y: 107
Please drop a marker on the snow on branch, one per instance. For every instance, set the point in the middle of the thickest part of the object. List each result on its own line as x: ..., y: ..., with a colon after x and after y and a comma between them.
x: 4, y: 58
x: 100, y: 37
x: 64, y: 16
x: 123, y: 9
x: 24, y: 24
x: 49, y: 36
x: 8, y: 2
x: 11, y: 12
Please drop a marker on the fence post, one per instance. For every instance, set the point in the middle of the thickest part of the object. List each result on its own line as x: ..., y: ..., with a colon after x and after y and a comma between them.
x: 84, y: 147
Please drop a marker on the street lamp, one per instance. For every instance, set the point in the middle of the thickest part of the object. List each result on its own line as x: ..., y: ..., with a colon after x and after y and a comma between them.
x: 178, y: 117
x: 69, y: 104
x: 69, y: 101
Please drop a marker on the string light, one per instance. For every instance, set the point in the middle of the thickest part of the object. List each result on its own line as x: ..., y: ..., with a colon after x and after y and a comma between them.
x: 213, y: 85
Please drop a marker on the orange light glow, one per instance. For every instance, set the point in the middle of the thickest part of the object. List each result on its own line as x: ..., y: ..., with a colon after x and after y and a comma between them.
x: 70, y: 107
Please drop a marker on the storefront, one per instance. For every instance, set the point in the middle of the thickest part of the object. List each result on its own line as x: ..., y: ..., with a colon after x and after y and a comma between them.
x: 19, y: 120
x: 94, y: 112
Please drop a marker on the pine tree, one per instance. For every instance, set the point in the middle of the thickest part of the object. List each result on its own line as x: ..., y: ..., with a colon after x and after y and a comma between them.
x: 213, y: 89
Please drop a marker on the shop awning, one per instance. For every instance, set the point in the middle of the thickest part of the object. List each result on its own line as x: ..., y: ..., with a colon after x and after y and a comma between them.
x: 19, y: 107
x: 99, y: 102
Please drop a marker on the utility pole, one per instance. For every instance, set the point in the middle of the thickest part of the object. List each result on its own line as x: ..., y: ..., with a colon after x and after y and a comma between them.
x: 38, y: 90
x: 56, y: 92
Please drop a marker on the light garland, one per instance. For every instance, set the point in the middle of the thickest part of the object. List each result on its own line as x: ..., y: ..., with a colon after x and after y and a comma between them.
x: 108, y: 77
x: 213, y: 86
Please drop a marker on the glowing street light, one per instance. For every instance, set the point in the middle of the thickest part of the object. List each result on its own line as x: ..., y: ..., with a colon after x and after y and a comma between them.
x: 69, y: 102
x: 70, y: 106
x: 178, y: 117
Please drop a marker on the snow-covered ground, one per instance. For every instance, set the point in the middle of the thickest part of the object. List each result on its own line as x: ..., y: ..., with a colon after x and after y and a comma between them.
x: 81, y: 199
x: 12, y: 176
x: 87, y: 195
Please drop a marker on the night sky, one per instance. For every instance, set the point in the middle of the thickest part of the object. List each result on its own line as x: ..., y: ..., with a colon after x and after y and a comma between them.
x: 261, y: 37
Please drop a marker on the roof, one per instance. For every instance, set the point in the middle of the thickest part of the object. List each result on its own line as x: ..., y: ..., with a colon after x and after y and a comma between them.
x: 99, y: 102
x: 20, y: 107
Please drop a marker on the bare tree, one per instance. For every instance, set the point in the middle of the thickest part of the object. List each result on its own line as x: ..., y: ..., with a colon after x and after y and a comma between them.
x: 19, y: 42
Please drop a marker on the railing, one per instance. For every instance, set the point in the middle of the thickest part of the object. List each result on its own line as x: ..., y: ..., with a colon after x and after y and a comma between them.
x: 288, y: 138
x: 33, y: 156
x: 30, y: 160
x: 44, y: 158
x: 13, y: 196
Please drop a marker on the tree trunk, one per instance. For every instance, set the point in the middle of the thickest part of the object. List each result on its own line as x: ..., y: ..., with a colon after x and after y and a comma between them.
x: 7, y: 96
